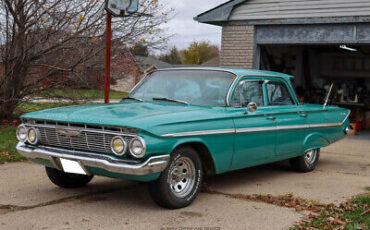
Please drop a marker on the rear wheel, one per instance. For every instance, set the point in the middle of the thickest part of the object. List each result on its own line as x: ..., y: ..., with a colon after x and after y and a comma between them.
x: 180, y: 182
x: 67, y: 180
x: 307, y: 162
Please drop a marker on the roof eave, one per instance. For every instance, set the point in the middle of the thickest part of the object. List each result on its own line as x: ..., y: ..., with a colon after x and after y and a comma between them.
x: 219, y: 14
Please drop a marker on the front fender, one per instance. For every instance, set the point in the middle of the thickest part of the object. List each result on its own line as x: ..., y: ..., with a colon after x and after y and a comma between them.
x: 220, y: 148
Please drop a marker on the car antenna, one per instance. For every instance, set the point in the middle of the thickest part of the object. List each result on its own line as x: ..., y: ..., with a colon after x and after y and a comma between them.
x: 328, y: 96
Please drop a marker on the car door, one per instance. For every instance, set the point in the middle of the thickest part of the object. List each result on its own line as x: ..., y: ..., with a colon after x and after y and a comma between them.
x: 290, y: 121
x: 253, y: 145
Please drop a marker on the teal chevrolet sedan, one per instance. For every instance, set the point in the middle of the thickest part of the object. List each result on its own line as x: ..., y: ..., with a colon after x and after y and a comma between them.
x: 179, y: 125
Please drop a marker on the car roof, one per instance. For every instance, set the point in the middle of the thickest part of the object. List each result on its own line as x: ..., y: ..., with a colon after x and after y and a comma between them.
x: 239, y: 72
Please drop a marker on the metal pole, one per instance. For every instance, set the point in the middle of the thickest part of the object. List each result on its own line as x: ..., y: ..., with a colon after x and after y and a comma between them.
x: 108, y: 41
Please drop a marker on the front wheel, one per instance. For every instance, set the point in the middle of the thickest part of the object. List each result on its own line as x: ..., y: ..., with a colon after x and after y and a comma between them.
x: 307, y: 162
x: 67, y: 180
x: 179, y: 184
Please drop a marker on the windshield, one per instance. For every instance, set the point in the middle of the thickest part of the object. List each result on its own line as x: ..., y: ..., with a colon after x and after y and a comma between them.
x: 197, y: 87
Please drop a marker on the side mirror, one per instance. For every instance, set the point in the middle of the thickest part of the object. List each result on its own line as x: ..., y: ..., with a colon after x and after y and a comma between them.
x: 251, y: 107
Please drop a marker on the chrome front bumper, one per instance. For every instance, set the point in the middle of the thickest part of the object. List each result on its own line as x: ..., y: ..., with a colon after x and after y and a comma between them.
x: 152, y: 165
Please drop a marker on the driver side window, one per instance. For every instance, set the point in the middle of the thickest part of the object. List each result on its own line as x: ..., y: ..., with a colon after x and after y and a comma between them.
x: 278, y: 94
x: 246, y: 92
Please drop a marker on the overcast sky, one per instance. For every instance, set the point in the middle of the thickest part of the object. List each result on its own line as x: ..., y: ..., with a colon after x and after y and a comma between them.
x: 185, y: 29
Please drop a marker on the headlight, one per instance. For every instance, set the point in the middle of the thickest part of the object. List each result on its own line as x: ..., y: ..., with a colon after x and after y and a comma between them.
x: 22, y: 133
x: 32, y: 136
x: 119, y: 146
x: 137, y: 147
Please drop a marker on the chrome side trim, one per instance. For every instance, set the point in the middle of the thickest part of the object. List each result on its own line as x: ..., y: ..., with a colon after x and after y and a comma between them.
x: 152, y: 165
x: 200, y: 133
x: 251, y: 130
x: 325, y: 125
x: 288, y: 127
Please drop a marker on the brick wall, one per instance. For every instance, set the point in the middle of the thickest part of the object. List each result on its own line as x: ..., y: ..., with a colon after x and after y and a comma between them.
x: 237, y: 47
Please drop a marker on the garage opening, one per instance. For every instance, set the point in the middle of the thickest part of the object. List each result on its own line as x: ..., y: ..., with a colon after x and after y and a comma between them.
x: 316, y: 67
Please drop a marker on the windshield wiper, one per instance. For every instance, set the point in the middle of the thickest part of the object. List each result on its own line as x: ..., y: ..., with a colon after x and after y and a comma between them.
x: 132, y: 98
x: 168, y: 99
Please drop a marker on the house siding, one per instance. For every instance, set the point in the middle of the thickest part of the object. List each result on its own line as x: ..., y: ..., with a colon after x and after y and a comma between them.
x: 237, y: 48
x: 283, y: 9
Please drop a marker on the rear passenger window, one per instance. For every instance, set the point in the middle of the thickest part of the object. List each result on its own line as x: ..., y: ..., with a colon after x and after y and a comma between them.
x: 278, y: 94
x: 246, y: 92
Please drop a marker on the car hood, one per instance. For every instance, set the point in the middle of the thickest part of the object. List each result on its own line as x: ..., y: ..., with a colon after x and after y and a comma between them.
x: 140, y: 115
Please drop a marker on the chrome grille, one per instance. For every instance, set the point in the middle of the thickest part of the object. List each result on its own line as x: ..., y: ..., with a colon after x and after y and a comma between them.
x: 93, y: 139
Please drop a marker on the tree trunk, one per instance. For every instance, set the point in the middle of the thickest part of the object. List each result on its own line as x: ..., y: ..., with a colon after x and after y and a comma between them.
x: 7, y: 109
x: 16, y: 69
x: 10, y: 93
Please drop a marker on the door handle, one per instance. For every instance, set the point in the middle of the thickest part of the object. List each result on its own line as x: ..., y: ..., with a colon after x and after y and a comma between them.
x: 271, y: 118
x: 303, y: 115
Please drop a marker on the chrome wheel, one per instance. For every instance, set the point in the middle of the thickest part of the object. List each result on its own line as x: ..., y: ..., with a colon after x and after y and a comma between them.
x: 310, y: 156
x: 182, y: 177
x: 307, y: 162
x: 179, y: 184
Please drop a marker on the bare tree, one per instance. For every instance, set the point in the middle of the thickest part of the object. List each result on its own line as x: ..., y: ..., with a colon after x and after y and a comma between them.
x: 49, y: 41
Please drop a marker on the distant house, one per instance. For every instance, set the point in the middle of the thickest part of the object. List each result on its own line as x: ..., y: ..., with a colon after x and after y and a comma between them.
x: 126, y: 68
x: 129, y: 69
x: 214, y: 62
x: 150, y: 63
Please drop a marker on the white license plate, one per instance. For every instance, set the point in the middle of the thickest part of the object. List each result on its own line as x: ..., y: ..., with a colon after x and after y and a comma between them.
x: 72, y: 167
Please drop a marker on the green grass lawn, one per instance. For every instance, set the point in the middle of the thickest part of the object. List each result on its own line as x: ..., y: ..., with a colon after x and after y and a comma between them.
x: 352, y: 215
x: 80, y: 94
x: 8, y: 142
x: 360, y: 216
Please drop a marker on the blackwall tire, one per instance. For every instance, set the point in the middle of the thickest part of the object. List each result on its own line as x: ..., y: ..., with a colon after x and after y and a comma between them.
x: 67, y: 180
x: 179, y: 184
x: 307, y: 162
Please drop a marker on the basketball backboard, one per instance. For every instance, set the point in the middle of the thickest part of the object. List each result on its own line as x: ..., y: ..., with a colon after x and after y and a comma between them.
x: 121, y: 8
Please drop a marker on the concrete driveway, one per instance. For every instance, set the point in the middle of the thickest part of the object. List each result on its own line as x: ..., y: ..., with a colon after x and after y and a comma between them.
x: 29, y: 201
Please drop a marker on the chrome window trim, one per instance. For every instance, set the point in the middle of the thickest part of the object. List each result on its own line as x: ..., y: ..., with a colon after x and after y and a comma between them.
x: 250, y: 130
x: 241, y: 80
x: 190, y: 69
x: 232, y: 86
x: 231, y: 90
x: 288, y: 87
x: 140, y: 82
x: 291, y: 91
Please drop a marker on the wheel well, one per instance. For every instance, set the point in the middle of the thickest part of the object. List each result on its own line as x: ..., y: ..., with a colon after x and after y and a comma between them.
x: 205, y: 156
